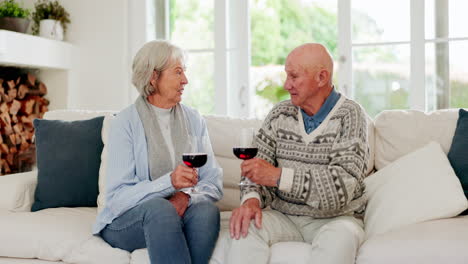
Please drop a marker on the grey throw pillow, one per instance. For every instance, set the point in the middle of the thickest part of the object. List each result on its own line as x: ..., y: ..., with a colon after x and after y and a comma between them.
x: 68, y: 156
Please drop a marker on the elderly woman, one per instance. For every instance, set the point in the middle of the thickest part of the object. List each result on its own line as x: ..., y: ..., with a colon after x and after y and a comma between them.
x: 148, y: 200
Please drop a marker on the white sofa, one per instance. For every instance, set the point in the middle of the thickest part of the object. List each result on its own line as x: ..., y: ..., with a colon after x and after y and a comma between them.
x: 63, y: 235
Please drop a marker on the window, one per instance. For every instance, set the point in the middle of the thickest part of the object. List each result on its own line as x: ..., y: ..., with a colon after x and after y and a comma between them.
x: 277, y: 27
x: 446, y: 43
x: 381, y: 54
x: 388, y: 55
x: 215, y: 34
x: 410, y: 60
x: 191, y: 27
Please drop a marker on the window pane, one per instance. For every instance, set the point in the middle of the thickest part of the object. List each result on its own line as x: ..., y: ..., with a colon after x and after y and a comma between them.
x: 458, y: 74
x: 277, y: 27
x: 446, y: 18
x: 199, y: 92
x: 437, y: 76
x: 380, y: 21
x: 381, y: 77
x: 191, y: 23
x: 446, y: 75
x: 268, y: 81
x: 458, y: 18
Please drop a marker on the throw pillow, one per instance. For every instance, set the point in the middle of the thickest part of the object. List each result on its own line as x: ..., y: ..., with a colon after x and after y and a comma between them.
x: 68, y: 159
x: 458, y: 153
x: 101, y: 200
x: 417, y: 187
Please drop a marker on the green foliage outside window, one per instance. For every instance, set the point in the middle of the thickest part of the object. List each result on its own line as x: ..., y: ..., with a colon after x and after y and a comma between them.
x: 459, y: 94
x: 278, y: 26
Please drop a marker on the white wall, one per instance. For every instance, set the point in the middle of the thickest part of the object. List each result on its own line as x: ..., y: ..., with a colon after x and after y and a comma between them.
x: 99, y: 31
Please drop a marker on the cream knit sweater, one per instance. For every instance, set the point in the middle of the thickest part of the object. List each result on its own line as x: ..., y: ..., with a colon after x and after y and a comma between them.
x: 322, y: 172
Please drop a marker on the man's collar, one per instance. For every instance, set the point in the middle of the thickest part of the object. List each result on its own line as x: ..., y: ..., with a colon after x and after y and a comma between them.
x: 324, y: 109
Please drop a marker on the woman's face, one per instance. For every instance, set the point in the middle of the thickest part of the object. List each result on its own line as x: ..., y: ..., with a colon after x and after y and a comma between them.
x: 171, y: 84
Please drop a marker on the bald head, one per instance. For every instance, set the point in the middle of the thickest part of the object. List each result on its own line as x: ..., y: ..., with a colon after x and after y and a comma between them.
x: 309, y: 70
x: 311, y: 57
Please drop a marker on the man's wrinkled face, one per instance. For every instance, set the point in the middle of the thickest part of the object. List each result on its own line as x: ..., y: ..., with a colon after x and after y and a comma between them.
x: 300, y: 83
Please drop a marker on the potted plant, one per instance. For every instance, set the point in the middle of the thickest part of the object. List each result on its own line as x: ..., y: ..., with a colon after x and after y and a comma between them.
x: 50, y: 19
x: 13, y: 17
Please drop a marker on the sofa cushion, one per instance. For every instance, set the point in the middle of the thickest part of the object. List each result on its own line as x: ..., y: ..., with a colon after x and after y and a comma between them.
x: 431, y: 242
x: 371, y: 141
x: 101, y: 201
x: 73, y: 115
x: 56, y: 234
x: 224, y: 134
x: 17, y: 191
x: 417, y: 187
x: 27, y: 261
x: 399, y: 132
x: 458, y: 154
x: 68, y: 159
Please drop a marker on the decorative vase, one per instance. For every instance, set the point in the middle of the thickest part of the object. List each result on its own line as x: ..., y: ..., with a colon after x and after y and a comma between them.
x: 14, y: 24
x: 50, y: 28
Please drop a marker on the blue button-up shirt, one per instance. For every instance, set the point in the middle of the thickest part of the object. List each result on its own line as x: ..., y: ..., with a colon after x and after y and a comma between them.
x: 312, y: 122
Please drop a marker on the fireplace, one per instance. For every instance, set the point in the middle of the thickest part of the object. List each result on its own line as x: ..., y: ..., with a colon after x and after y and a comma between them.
x: 22, y: 99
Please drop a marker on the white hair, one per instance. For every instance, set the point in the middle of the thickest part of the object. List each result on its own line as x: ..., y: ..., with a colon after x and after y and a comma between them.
x: 156, y: 55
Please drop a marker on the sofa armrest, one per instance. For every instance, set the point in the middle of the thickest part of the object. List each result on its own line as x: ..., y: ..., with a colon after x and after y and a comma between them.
x: 17, y: 191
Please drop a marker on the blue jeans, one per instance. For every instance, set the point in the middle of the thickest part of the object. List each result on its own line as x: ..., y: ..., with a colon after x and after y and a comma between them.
x: 169, y: 238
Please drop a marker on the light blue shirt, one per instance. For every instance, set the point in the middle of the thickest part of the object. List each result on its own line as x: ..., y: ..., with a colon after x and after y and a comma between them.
x: 312, y: 122
x: 128, y: 181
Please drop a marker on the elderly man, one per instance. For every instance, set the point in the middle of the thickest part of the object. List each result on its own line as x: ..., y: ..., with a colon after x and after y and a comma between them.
x: 311, y: 162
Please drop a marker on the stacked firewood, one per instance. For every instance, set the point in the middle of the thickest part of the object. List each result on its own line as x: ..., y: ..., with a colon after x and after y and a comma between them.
x: 21, y: 101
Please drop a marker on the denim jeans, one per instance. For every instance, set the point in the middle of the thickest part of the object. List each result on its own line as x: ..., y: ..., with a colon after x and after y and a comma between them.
x: 169, y: 238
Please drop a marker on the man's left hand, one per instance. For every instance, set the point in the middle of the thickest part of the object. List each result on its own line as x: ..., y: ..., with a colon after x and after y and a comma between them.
x: 180, y: 201
x: 261, y: 172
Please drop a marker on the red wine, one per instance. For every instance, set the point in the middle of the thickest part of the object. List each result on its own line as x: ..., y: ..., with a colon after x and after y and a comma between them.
x: 194, y: 160
x: 245, y: 153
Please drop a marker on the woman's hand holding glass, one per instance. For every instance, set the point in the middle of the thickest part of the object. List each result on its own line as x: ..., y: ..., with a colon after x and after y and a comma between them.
x: 194, y: 160
x: 184, y: 177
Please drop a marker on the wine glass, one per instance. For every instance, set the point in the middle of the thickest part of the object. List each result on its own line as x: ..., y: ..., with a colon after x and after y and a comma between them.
x: 194, y: 160
x: 245, y: 150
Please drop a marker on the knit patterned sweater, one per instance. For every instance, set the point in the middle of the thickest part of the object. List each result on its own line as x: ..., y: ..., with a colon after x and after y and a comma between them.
x: 322, y: 172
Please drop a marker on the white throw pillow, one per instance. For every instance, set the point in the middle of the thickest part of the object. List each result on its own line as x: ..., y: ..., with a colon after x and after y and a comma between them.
x: 17, y: 191
x: 101, y: 200
x: 417, y: 187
